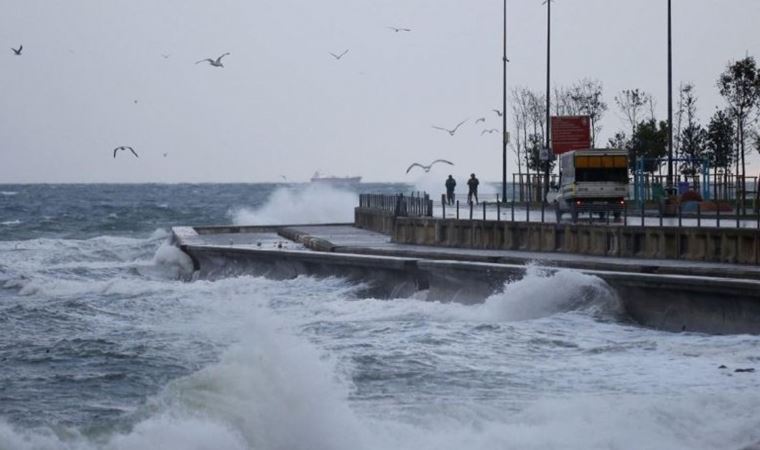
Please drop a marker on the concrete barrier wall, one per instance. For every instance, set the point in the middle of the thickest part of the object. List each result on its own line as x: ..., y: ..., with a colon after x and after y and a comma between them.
x: 729, y: 245
x: 375, y: 220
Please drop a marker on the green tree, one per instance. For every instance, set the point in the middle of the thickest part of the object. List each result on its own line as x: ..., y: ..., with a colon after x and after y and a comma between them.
x: 739, y: 85
x: 650, y: 142
x: 720, y: 141
x: 618, y: 141
x: 720, y: 145
x: 691, y: 136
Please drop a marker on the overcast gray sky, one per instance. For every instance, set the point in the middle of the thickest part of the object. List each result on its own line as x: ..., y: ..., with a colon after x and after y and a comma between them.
x: 283, y: 106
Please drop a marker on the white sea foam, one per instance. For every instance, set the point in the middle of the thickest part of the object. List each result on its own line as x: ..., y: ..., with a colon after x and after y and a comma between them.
x: 11, y: 222
x: 273, y: 389
x: 313, y: 203
x: 541, y: 293
x: 8, y: 193
x: 538, y: 294
x: 173, y: 262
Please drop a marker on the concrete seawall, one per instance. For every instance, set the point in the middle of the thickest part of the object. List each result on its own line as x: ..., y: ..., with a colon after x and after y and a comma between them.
x: 726, y: 245
x: 669, y: 302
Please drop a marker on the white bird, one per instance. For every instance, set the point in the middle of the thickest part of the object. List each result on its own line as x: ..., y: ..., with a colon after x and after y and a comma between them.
x: 123, y: 147
x: 498, y: 113
x: 451, y: 132
x: 429, y: 166
x: 339, y: 56
x: 215, y: 63
x: 396, y: 29
x: 492, y: 130
x: 482, y: 119
x: 18, y: 51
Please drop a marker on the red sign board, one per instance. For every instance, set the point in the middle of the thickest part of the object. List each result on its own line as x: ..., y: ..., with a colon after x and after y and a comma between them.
x: 570, y: 133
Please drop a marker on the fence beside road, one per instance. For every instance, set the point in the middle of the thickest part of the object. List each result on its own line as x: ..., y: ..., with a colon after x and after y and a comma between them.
x: 682, y: 215
x: 696, y: 237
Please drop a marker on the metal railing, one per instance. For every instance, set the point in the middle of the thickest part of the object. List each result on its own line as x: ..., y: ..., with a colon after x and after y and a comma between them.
x: 416, y: 204
x: 708, y: 214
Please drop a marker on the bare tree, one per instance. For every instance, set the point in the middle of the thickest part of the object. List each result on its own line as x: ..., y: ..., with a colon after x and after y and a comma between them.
x: 587, y: 99
x: 631, y: 103
x: 563, y: 102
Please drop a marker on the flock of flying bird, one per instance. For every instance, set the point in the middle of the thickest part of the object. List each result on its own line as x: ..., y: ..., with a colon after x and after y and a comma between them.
x: 218, y: 63
x: 452, y: 132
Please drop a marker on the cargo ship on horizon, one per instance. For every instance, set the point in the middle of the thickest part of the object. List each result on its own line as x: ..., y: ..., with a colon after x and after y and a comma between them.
x: 317, y: 178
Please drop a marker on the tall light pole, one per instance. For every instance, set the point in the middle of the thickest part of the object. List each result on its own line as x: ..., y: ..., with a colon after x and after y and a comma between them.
x: 505, y: 133
x: 670, y: 104
x: 548, y: 93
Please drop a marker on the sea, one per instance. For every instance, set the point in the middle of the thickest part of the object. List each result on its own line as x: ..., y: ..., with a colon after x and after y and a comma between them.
x: 104, y: 345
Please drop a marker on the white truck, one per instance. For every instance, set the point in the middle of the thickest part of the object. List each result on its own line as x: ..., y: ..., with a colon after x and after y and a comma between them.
x: 593, y: 181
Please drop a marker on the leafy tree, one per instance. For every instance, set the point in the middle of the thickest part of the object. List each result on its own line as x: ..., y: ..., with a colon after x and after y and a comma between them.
x: 536, y: 143
x: 618, y: 141
x: 739, y: 85
x: 691, y: 136
x: 720, y: 141
x: 649, y: 141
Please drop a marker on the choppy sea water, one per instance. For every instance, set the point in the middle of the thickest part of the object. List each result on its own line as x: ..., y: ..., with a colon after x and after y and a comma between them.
x: 101, y: 346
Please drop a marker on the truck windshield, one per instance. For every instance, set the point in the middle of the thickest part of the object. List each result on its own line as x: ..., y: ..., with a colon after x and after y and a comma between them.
x: 613, y: 175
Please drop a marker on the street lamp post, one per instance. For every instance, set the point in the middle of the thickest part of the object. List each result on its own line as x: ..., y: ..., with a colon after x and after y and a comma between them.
x: 548, y: 94
x: 670, y: 103
x: 505, y: 134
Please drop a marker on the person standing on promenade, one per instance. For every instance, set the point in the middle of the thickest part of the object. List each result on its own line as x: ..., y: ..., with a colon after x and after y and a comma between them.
x: 472, y: 184
x: 451, y: 183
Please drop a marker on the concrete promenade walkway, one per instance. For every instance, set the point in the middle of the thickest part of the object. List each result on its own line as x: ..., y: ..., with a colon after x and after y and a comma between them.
x: 347, y: 239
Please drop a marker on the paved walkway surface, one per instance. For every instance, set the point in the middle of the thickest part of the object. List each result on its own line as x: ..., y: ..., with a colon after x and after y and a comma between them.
x: 349, y: 239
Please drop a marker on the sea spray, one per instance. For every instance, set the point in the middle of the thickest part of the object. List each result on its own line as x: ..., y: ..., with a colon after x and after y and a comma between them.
x: 313, y: 203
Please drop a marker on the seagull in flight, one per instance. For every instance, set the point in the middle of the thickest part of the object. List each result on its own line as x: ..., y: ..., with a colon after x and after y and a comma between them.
x: 165, y: 55
x: 482, y: 119
x: 124, y: 147
x: 18, y: 51
x: 451, y: 132
x: 492, y: 130
x: 215, y: 63
x: 498, y: 113
x: 429, y: 166
x: 339, y: 56
x: 396, y: 29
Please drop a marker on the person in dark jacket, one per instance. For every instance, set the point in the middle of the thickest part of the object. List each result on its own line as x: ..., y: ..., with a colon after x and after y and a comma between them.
x: 472, y: 184
x: 451, y: 183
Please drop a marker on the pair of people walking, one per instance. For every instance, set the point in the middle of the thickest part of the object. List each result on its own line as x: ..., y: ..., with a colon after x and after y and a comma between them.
x: 472, y: 189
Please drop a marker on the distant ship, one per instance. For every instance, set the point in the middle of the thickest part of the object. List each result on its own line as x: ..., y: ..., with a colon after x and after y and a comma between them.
x: 317, y: 178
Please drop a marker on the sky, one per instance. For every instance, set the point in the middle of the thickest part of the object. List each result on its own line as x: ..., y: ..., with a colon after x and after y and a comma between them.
x: 92, y: 77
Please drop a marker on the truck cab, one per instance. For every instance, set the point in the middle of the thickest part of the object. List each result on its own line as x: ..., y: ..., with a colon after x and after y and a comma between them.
x: 593, y: 181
